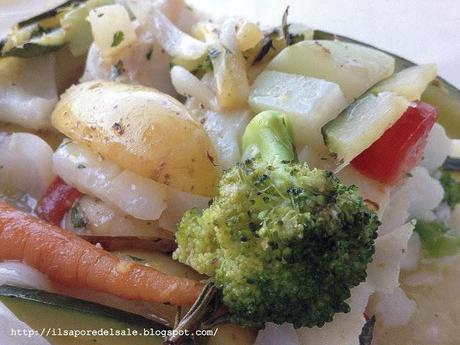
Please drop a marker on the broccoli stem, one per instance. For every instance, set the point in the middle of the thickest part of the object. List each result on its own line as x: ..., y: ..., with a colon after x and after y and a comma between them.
x: 269, y: 134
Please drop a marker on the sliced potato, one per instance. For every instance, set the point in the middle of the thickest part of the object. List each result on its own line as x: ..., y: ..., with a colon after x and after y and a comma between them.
x: 354, y: 67
x: 141, y: 130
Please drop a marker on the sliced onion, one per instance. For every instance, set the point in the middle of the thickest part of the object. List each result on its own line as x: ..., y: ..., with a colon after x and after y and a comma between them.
x: 26, y: 164
x: 28, y: 91
x: 135, y: 195
x: 178, y: 203
x: 18, y: 274
x: 187, y: 84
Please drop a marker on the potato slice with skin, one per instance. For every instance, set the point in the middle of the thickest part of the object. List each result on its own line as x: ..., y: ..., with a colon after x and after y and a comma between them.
x: 142, y: 130
x: 354, y: 67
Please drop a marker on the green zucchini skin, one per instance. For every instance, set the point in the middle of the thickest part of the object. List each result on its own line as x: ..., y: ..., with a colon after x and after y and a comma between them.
x: 75, y: 305
x: 441, y: 94
x: 57, y: 313
x: 52, y: 30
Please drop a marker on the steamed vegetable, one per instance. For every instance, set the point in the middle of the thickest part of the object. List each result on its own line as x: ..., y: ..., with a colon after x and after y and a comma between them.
x: 284, y: 243
x: 57, y: 200
x: 28, y: 91
x: 112, y: 30
x: 437, y: 239
x: 52, y: 30
x: 308, y: 102
x: 26, y: 166
x: 62, y: 312
x: 365, y: 120
x: 410, y: 82
x: 450, y: 182
x: 70, y: 260
x: 400, y: 148
x: 131, y: 126
x: 132, y: 194
x: 353, y: 67
x: 362, y: 123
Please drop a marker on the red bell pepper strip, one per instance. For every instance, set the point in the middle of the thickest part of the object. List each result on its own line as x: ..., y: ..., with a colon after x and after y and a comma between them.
x: 400, y: 148
x: 57, y: 201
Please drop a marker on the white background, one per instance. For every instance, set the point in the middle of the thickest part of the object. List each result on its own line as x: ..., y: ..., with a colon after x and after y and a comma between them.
x: 419, y: 30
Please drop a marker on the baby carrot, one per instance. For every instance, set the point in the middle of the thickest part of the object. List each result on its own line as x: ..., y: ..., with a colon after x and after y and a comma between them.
x: 72, y: 261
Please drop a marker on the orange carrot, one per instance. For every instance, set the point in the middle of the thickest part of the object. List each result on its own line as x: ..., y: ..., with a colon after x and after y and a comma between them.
x: 72, y: 261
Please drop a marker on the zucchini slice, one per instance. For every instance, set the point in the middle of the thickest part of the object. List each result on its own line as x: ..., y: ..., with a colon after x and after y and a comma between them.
x: 52, y: 30
x: 43, y: 310
x: 362, y: 123
x: 440, y: 94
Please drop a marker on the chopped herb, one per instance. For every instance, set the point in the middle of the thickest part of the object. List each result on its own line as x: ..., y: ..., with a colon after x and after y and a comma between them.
x: 118, y: 69
x: 268, y: 44
x: 451, y: 188
x: 117, y: 127
x: 409, y: 175
x: 148, y: 56
x: 81, y: 166
x: 213, y: 53
x: 135, y: 258
x: 99, y: 15
x: 365, y: 338
x: 203, y: 68
x: 285, y: 27
x: 117, y: 38
x: 65, y: 143
x: 452, y: 164
x: 77, y: 218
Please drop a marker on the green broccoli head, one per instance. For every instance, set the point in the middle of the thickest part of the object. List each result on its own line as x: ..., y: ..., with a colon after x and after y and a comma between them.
x: 284, y: 243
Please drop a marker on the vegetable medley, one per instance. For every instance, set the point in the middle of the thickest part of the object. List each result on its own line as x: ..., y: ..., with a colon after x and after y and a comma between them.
x: 278, y: 185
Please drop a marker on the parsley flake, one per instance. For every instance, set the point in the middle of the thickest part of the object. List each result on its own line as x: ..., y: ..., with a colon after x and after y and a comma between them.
x: 117, y: 38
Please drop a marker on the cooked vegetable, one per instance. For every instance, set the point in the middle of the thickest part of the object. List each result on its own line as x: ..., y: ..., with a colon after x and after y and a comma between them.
x: 70, y: 260
x: 437, y: 239
x: 57, y: 201
x: 410, y: 82
x: 248, y: 35
x: 52, y: 30
x: 138, y: 196
x: 362, y: 123
x: 308, y: 102
x: 112, y: 30
x: 450, y: 185
x: 113, y: 243
x: 132, y: 125
x: 400, y: 148
x: 440, y: 94
x: 366, y: 336
x: 225, y: 60
x: 354, y: 67
x: 62, y: 312
x: 27, y: 91
x: 25, y: 165
x: 283, y: 242
x: 276, y: 40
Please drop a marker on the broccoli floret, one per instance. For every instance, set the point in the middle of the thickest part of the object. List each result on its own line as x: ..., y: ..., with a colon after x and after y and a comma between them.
x: 437, y: 239
x: 283, y: 242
